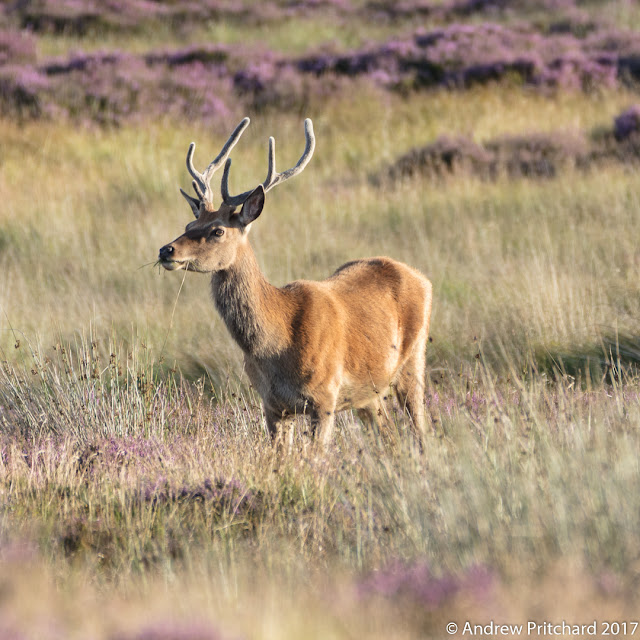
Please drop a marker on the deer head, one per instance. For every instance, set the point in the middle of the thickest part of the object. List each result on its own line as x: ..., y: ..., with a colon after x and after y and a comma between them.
x: 210, y: 242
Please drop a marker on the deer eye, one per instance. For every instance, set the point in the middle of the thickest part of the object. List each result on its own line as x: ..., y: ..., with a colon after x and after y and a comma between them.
x: 217, y: 232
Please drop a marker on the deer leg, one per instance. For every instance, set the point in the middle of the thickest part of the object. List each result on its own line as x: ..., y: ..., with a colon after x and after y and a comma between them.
x: 279, y: 425
x: 378, y: 416
x: 377, y: 412
x: 366, y: 415
x: 326, y: 425
x: 410, y: 388
x: 274, y: 423
x: 323, y: 420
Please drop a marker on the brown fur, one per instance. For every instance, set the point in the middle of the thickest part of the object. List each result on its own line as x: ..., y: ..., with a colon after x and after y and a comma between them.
x: 313, y: 347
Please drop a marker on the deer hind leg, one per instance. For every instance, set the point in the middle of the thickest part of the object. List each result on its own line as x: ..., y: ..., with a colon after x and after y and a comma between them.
x: 410, y: 388
x: 280, y: 427
x: 367, y: 415
x: 323, y: 420
x: 377, y: 413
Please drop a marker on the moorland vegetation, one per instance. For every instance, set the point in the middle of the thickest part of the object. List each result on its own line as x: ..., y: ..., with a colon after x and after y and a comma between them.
x: 493, y: 145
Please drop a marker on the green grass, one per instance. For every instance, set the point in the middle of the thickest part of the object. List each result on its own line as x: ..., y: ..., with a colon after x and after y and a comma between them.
x: 289, y: 37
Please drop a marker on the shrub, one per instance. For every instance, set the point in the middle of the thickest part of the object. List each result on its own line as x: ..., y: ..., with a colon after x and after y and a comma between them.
x: 627, y: 124
x: 446, y: 155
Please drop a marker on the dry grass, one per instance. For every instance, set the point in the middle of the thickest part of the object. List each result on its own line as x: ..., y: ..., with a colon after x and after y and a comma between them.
x: 131, y: 489
x: 508, y: 260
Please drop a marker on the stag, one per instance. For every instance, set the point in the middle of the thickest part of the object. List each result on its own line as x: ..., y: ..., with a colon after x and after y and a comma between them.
x: 310, y: 347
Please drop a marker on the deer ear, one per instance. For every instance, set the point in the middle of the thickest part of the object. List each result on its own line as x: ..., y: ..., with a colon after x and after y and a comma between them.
x: 252, y: 206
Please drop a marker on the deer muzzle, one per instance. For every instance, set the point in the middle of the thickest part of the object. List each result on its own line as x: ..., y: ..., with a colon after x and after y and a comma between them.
x: 166, y: 258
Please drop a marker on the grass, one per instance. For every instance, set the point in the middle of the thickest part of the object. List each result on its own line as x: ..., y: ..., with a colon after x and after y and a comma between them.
x: 288, y: 37
x: 500, y: 255
x: 138, y: 487
x: 321, y: 29
x: 161, y: 487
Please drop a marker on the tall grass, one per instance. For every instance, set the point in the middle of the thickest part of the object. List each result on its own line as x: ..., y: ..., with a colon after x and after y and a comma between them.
x: 134, y: 463
x: 508, y: 259
x: 146, y: 486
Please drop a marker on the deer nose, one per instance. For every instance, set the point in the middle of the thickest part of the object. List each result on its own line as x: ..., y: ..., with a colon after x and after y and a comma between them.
x: 166, y: 252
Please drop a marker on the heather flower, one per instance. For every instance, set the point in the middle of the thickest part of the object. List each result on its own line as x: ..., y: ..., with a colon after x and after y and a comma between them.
x: 21, y: 90
x: 271, y: 83
x: 208, y: 55
x: 172, y: 631
x: 255, y: 77
x: 303, y: 6
x: 627, y: 123
x: 446, y: 155
x: 81, y: 17
x: 384, y: 78
x: 191, y: 82
x: 415, y: 584
x: 460, y: 55
x: 536, y: 155
x: 16, y: 47
x: 214, y: 82
x: 24, y: 77
x: 136, y: 452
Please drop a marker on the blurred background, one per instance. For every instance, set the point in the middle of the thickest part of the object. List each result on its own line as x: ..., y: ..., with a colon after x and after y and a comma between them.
x: 492, y: 144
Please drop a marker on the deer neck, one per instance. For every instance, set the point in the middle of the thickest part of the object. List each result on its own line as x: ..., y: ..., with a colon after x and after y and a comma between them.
x: 254, y: 311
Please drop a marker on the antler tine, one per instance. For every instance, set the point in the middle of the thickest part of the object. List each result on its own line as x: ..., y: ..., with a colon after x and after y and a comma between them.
x: 198, y: 180
x: 201, y: 181
x: 273, y: 177
x: 232, y: 201
x: 272, y: 161
x: 226, y: 150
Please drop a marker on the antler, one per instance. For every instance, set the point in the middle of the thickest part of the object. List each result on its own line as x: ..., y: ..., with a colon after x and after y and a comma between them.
x: 273, y: 177
x: 201, y: 181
